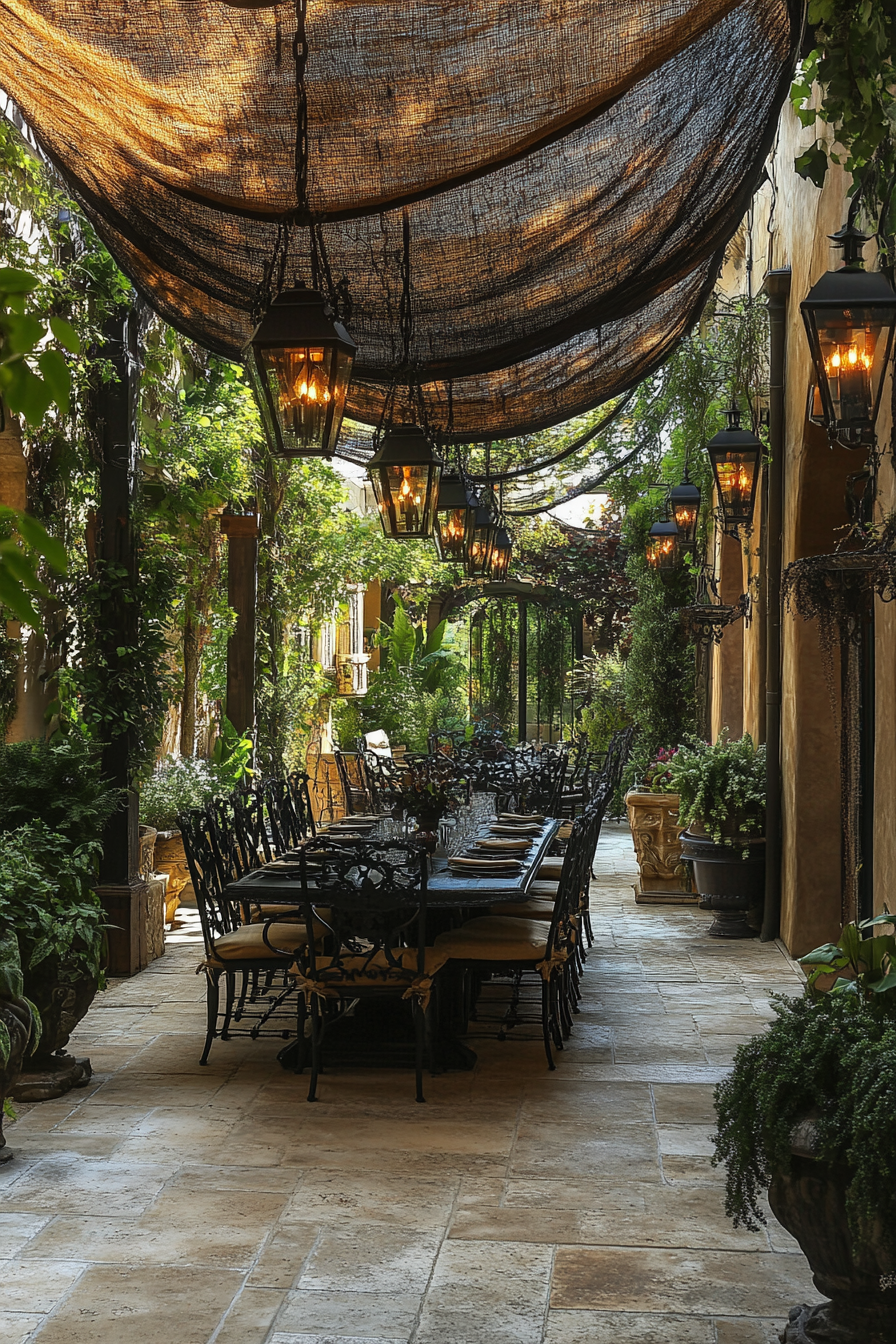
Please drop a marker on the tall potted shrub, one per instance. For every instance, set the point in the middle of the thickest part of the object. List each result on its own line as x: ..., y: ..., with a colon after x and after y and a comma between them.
x: 721, y: 791
x: 808, y: 1113
x: 652, y: 806
x: 53, y: 806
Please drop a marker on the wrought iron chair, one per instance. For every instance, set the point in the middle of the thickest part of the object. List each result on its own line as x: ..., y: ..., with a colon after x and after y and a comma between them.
x: 300, y: 792
x: 235, y: 950
x: 375, y: 937
x: 251, y: 826
x: 286, y: 829
x: 355, y: 788
x: 515, y: 946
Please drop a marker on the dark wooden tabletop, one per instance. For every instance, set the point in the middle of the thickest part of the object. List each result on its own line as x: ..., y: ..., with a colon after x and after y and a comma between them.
x: 276, y: 883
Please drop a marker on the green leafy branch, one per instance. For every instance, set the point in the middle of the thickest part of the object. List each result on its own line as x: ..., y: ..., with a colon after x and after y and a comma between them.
x: 852, y: 64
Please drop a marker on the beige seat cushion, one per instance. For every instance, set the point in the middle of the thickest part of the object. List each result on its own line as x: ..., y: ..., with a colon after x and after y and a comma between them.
x: 375, y: 972
x: 495, y: 938
x: 523, y: 909
x: 248, y: 944
x: 544, y: 891
x: 551, y: 869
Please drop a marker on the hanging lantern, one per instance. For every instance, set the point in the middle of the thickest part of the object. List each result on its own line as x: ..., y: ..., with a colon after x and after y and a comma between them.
x: 662, y: 546
x: 734, y: 454
x: 482, y: 545
x: 501, y: 553
x: 849, y: 317
x: 684, y: 506
x: 405, y: 474
x: 455, y: 518
x: 300, y: 362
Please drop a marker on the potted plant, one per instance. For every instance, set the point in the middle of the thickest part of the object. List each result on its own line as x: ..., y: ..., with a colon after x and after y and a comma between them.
x: 19, y: 1025
x: 652, y: 806
x: 47, y: 901
x: 808, y: 1113
x: 182, y: 782
x: 721, y: 793
x: 428, y: 789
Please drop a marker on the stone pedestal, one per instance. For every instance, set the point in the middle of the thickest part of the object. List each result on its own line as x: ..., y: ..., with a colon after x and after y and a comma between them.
x: 664, y: 879
x: 136, y: 914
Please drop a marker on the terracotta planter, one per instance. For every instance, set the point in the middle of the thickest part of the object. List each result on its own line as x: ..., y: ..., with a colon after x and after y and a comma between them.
x: 810, y: 1201
x: 730, y: 880
x: 664, y: 877
x: 169, y: 858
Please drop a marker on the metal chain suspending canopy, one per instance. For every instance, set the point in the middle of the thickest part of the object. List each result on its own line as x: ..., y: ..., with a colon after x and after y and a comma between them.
x: 571, y: 173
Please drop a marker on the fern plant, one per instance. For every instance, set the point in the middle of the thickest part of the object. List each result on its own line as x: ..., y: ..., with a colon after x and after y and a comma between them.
x: 830, y: 1055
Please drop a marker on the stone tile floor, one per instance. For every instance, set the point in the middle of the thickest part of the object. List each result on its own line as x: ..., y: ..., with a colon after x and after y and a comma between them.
x: 168, y: 1204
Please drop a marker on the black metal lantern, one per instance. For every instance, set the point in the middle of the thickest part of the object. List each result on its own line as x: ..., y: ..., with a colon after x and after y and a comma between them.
x: 501, y: 553
x: 405, y: 474
x: 482, y: 545
x: 684, y: 506
x: 662, y: 546
x: 850, y: 317
x: 300, y: 362
x: 455, y: 518
x: 734, y: 454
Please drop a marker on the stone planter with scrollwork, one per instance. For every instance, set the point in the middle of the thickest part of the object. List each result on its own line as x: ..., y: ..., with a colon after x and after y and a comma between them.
x: 664, y: 877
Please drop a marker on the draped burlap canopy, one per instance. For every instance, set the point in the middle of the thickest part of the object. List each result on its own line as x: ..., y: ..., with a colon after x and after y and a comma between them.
x: 570, y: 169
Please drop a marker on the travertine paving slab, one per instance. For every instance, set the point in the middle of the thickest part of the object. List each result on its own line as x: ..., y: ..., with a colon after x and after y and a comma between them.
x: 371, y: 1257
x: 143, y: 1306
x: 69, y: 1184
x: 693, y: 1281
x: 16, y: 1327
x: 599, y: 1327
x: 37, y: 1285
x: 344, y: 1315
x: 483, y: 1293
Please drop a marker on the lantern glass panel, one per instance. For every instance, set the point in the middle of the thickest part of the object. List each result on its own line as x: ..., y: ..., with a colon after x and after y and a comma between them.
x: 482, y: 545
x: 501, y: 552
x: 854, y: 345
x: 405, y: 493
x: 451, y: 531
x: 735, y: 474
x: 662, y: 552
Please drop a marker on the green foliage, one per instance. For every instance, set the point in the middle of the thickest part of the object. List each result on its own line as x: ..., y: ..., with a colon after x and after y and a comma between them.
x: 232, y: 754
x: 33, y: 374
x: 853, y: 65
x: 58, y: 784
x: 415, y: 690
x: 179, y: 783
x: 600, y: 685
x: 721, y: 785
x: 659, y: 680
x: 23, y: 544
x: 12, y: 989
x: 831, y: 1057
x: 46, y: 897
x: 121, y: 689
x: 869, y: 958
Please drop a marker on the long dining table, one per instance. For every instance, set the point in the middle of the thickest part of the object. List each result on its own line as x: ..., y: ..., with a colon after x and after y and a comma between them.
x: 447, y: 889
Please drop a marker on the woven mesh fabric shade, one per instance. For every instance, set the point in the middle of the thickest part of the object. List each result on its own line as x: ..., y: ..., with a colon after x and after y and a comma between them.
x: 571, y: 169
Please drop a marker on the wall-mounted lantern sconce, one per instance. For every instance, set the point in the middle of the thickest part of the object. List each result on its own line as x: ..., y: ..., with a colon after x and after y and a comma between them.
x: 684, y: 506
x: 850, y: 317
x: 734, y: 454
x: 662, y: 546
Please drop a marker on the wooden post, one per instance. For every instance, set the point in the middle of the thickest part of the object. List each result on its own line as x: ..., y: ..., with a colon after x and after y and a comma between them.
x: 242, y: 532
x: 124, y: 895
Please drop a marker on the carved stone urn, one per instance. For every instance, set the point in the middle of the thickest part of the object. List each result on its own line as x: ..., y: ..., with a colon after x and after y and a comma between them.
x: 169, y: 858
x: 15, y: 1025
x: 810, y: 1201
x: 664, y: 878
